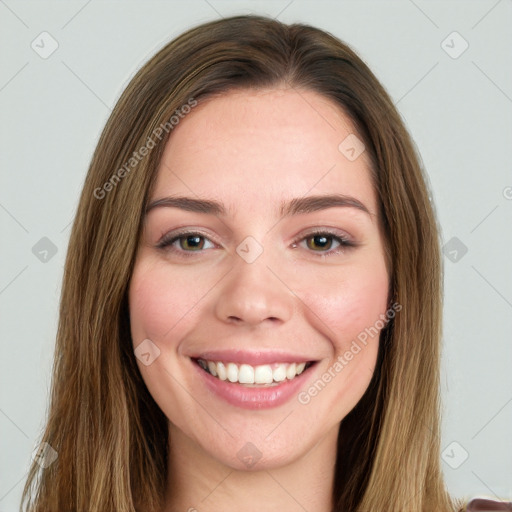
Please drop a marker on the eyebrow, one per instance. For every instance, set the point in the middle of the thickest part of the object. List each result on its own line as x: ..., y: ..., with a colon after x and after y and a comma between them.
x: 296, y: 206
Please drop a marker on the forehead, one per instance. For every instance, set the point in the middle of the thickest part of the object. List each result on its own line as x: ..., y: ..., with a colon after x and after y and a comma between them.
x: 258, y: 148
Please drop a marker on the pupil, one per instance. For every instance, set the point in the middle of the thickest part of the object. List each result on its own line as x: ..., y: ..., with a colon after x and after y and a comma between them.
x: 321, y: 240
x: 193, y: 241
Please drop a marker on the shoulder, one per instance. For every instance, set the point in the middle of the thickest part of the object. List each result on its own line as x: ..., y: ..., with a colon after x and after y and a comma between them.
x: 486, y: 505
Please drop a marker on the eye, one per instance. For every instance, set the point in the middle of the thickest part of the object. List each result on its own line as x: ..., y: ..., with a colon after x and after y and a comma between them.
x: 184, y: 242
x: 322, y: 242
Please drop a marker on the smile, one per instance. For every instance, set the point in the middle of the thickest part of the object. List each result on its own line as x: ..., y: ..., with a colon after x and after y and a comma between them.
x: 252, y: 379
x: 253, y: 376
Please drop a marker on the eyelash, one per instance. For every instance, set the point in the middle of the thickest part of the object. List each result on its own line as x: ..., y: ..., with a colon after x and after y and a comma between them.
x: 168, y: 241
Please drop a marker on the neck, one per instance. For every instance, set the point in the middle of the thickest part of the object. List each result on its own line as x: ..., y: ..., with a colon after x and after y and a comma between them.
x: 197, y: 482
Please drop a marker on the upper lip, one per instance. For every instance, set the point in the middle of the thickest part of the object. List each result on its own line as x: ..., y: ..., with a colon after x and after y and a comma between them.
x: 252, y: 358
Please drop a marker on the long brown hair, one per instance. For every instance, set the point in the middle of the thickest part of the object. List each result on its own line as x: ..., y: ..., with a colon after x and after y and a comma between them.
x: 109, y: 434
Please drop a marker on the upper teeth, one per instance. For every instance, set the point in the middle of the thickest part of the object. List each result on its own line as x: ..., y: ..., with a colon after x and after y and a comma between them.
x: 247, y: 374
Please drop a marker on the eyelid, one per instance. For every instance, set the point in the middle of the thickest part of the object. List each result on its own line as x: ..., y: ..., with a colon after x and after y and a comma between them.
x: 345, y: 241
x: 335, y: 232
x: 165, y: 239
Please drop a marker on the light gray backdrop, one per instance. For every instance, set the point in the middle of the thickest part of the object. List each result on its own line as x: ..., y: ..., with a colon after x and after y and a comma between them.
x: 447, y: 65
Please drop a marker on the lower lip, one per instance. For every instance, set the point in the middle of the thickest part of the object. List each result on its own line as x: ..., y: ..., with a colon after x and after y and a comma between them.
x: 253, y: 398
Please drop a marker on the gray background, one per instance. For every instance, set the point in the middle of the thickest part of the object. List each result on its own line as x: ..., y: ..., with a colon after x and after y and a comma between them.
x: 457, y: 106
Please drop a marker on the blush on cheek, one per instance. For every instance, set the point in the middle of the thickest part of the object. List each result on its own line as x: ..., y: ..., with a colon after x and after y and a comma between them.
x: 162, y: 303
x: 153, y: 308
x: 349, y: 309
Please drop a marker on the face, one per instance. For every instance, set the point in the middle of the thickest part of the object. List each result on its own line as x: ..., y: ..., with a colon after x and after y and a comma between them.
x: 255, y: 317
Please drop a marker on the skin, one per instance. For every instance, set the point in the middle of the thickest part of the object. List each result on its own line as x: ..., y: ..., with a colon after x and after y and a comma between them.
x: 251, y: 150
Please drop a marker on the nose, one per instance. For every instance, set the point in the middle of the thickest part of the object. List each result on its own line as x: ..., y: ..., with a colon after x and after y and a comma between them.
x: 253, y: 293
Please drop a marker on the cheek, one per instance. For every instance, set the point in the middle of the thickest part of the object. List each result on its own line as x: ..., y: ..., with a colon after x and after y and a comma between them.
x: 359, y: 307
x: 349, y: 313
x: 348, y: 309
x: 349, y: 302
x: 149, y: 308
x: 160, y: 301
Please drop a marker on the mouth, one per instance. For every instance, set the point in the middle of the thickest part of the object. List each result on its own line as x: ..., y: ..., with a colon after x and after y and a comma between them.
x: 250, y: 376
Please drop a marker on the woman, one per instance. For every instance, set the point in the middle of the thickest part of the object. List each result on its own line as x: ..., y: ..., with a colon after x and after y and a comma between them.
x: 251, y: 308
